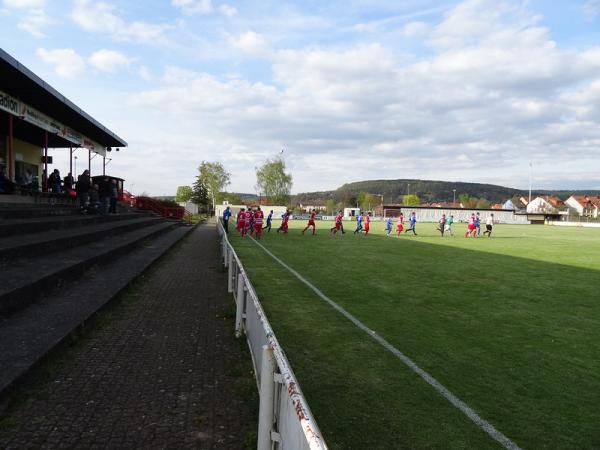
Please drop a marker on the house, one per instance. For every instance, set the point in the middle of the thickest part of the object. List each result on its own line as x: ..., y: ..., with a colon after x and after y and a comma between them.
x: 547, y: 204
x: 584, y: 205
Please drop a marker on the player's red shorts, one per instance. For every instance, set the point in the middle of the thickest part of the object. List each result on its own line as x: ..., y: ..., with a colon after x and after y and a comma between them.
x: 258, y: 228
x: 399, y: 227
x: 471, y: 226
x: 367, y: 225
x: 338, y: 225
x: 311, y: 223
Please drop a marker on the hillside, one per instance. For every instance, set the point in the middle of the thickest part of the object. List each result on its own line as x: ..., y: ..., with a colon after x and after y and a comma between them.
x: 427, y: 190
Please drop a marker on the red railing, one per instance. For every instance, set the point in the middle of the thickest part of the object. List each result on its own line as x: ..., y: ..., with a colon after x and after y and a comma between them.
x: 169, y: 212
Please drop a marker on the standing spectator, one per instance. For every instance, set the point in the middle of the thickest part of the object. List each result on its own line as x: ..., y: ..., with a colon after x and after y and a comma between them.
x: 269, y: 219
x: 68, y: 183
x: 226, y: 216
x: 104, y: 191
x: 55, y: 181
x: 114, y: 196
x: 94, y: 205
x: 83, y: 188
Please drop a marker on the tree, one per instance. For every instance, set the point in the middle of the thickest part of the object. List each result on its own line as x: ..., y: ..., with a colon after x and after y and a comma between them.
x: 214, y: 178
x: 184, y: 194
x: 411, y: 200
x: 273, y: 182
x: 348, y: 199
x: 331, y: 206
x: 467, y: 201
x: 233, y: 199
x: 200, y: 193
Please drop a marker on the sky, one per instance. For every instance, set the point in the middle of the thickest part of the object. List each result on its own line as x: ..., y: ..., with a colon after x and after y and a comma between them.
x: 350, y: 90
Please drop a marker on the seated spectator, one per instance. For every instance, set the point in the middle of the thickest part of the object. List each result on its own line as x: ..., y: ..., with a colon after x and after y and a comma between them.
x: 114, y: 195
x: 6, y: 185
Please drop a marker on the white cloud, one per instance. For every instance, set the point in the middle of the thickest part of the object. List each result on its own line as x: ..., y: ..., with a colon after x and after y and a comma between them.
x: 193, y: 6
x: 415, y: 29
x: 34, y: 23
x: 250, y: 42
x: 99, y: 17
x: 145, y: 73
x: 23, y: 4
x: 67, y: 63
x: 108, y: 60
x: 228, y: 10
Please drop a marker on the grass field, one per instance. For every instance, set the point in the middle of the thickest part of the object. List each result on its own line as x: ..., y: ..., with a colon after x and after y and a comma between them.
x: 510, y: 325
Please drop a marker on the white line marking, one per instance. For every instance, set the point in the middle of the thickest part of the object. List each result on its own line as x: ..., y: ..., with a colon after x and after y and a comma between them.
x: 458, y: 403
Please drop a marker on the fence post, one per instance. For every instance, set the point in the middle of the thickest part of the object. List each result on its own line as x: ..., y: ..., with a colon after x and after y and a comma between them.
x: 267, y: 389
x: 230, y: 271
x: 224, y: 250
x: 239, y: 305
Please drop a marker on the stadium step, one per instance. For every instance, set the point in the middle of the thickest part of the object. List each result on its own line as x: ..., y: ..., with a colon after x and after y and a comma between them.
x: 25, y: 281
x: 17, y: 247
x: 12, y: 227
x: 27, y: 336
x: 38, y: 211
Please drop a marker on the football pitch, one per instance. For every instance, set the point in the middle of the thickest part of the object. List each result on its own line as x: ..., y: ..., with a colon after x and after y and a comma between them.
x: 510, y: 326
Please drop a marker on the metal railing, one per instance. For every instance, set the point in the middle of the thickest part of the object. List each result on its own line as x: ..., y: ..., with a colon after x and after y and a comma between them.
x: 285, y: 421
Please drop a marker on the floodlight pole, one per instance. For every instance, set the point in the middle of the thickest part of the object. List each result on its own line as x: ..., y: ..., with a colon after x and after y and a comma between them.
x: 530, y: 170
x: 453, y: 196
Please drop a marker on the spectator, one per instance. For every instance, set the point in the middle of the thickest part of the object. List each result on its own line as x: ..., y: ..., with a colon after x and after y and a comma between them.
x: 226, y: 216
x: 114, y: 195
x: 105, y: 189
x: 83, y: 188
x: 94, y: 206
x: 55, y: 181
x: 68, y: 183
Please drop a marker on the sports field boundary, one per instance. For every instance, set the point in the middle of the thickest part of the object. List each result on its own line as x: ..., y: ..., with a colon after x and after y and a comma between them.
x: 463, y: 407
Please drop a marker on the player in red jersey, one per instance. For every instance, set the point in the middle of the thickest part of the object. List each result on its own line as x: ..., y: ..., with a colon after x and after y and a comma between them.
x: 338, y: 224
x: 247, y: 220
x: 284, y: 222
x: 258, y: 221
x: 240, y: 220
x: 367, y: 223
x: 311, y: 222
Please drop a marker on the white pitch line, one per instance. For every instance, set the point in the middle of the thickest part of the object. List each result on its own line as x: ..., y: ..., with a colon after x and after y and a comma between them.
x: 458, y: 403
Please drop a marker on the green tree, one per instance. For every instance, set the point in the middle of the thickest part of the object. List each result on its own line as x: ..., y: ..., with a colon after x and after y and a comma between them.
x: 214, y: 178
x: 331, y: 206
x: 232, y: 198
x: 184, y: 194
x: 200, y: 194
x: 467, y: 201
x: 273, y: 182
x: 348, y: 199
x: 482, y: 203
x: 411, y: 200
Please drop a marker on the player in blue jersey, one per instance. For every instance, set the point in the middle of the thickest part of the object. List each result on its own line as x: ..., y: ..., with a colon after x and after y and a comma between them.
x: 269, y: 219
x: 388, y: 225
x: 478, y: 224
x: 359, y: 220
x: 412, y: 220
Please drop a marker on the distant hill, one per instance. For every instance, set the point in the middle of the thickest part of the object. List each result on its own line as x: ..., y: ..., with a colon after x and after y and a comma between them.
x: 427, y: 190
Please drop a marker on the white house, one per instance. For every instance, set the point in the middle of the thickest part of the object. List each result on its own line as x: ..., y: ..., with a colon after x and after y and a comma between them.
x: 545, y: 205
x: 584, y: 205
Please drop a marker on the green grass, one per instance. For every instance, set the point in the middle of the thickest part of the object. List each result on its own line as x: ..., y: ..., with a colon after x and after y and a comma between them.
x: 511, y: 325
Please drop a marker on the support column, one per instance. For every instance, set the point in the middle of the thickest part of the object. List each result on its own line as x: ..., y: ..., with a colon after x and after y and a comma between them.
x: 90, y: 162
x: 103, y: 165
x: 45, y: 179
x: 71, y: 161
x: 10, y: 157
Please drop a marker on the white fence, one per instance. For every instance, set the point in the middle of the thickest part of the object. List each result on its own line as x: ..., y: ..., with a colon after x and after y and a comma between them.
x: 285, y: 421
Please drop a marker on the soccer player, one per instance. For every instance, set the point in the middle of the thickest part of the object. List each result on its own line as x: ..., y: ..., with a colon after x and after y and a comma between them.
x: 400, y: 224
x: 338, y: 224
x: 359, y: 220
x: 248, y: 216
x: 258, y: 219
x: 478, y: 224
x: 284, y: 222
x: 226, y: 216
x: 367, y: 222
x: 311, y: 222
x: 269, y: 218
x: 442, y: 224
x: 388, y: 226
x: 449, y: 223
x: 412, y: 220
x: 240, y: 220
x: 471, y: 230
x: 489, y: 223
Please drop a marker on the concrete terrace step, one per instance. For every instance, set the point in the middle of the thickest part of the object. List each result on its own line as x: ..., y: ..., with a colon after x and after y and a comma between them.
x: 46, y: 210
x: 18, y: 247
x: 12, y: 227
x: 28, y: 280
x: 29, y: 335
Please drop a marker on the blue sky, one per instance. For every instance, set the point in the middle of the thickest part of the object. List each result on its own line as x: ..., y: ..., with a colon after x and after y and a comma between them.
x: 458, y: 91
